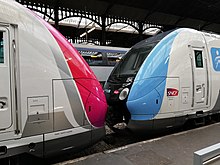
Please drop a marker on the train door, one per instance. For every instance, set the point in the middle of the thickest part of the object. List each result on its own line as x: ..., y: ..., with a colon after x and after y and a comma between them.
x: 7, y: 89
x: 200, y: 83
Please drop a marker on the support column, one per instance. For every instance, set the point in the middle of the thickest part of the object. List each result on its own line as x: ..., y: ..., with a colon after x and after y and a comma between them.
x: 140, y: 30
x: 103, y: 38
x: 56, y: 16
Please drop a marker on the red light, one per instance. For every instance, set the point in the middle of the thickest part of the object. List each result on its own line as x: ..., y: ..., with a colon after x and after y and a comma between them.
x: 116, y: 92
x: 172, y: 92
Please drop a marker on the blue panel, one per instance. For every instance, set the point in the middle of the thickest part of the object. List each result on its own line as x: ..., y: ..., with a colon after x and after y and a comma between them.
x: 161, y: 88
x: 146, y: 106
x: 215, y: 52
x: 146, y: 95
x: 142, y: 117
x: 156, y: 64
x: 143, y: 87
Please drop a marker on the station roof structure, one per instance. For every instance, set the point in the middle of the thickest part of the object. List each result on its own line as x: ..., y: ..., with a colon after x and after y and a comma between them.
x: 197, y: 14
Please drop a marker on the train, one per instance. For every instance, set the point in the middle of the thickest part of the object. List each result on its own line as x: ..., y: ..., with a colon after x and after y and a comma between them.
x: 50, y: 99
x: 101, y: 59
x: 165, y: 81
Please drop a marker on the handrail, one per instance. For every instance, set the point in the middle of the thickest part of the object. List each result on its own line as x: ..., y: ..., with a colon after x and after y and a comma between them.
x: 207, y: 155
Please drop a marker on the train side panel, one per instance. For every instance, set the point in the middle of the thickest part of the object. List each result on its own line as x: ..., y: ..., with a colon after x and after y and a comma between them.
x: 192, y: 77
x: 213, y: 45
x: 187, y: 85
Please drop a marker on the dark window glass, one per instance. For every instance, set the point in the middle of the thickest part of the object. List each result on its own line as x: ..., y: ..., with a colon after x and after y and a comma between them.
x: 198, y: 58
x: 101, y: 58
x: 133, y: 60
x: 94, y: 58
x: 1, y: 48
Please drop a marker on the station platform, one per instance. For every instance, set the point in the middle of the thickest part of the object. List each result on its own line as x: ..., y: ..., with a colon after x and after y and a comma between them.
x: 175, y: 149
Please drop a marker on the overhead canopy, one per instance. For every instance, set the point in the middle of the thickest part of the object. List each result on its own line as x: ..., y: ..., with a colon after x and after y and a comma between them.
x: 198, y: 14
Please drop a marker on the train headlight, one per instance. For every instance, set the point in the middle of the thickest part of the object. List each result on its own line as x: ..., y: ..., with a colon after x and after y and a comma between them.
x: 124, y: 93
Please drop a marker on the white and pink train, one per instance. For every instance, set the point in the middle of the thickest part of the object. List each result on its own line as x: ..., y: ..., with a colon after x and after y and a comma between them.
x: 50, y: 100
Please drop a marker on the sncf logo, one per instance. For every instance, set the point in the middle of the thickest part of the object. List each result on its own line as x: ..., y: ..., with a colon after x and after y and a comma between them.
x: 172, y: 92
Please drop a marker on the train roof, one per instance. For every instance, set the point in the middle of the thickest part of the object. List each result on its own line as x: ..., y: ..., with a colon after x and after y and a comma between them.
x: 96, y: 48
x: 152, y: 39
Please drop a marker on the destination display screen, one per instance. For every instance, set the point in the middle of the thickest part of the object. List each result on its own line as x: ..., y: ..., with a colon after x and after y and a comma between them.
x: 198, y: 58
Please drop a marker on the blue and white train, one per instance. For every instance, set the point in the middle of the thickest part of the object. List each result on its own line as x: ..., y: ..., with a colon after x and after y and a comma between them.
x: 165, y: 80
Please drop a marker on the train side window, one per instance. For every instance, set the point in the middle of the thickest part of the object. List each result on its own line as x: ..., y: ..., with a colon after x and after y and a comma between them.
x: 1, y: 48
x: 198, y: 58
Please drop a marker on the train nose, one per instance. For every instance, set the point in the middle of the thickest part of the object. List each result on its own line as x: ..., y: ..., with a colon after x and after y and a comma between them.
x: 145, y: 98
x: 94, y: 101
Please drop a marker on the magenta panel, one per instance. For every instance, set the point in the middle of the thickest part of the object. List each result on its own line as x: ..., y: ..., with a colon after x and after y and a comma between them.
x: 89, y: 87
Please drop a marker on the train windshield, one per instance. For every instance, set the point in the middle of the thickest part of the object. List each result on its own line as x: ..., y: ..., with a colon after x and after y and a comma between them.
x: 130, y: 64
x: 132, y: 61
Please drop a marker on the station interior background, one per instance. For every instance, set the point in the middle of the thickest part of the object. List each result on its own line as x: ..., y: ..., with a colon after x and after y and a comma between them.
x: 123, y: 23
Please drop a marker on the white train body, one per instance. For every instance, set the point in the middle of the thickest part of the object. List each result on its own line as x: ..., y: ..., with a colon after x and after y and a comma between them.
x: 197, y: 82
x: 48, y: 94
x: 179, y: 79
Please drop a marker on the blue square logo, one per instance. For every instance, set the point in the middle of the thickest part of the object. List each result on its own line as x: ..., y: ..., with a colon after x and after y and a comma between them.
x: 215, y: 52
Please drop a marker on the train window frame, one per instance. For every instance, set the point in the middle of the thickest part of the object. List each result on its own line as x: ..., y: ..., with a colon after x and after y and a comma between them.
x: 101, y: 58
x: 198, y: 60
x: 2, y: 47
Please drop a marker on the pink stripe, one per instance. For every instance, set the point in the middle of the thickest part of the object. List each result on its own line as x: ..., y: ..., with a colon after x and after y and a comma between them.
x: 90, y: 89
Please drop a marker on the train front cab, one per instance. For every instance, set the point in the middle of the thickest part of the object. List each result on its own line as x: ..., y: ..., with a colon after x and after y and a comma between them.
x: 125, y: 77
x: 149, y: 89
